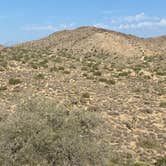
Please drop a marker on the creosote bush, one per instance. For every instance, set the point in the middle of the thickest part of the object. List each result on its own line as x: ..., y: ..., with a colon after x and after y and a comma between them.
x: 161, y: 162
x: 14, y: 81
x: 86, y: 95
x: 44, y: 134
x: 39, y: 76
x: 163, y: 104
x: 3, y: 88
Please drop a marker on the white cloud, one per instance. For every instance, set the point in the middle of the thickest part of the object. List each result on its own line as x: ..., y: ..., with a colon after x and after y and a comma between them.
x: 101, y: 25
x: 48, y: 27
x: 66, y: 26
x: 140, y: 21
x: 39, y: 28
x: 108, y: 12
x: 140, y: 17
x: 144, y: 24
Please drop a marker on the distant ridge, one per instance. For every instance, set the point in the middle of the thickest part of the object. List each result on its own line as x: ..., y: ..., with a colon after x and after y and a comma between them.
x: 1, y: 47
x: 87, y: 39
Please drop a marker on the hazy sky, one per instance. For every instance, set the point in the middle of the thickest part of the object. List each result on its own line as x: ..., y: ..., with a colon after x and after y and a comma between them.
x: 22, y: 20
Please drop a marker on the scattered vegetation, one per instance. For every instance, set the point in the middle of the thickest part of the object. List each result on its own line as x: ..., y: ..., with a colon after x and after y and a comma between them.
x: 14, y: 81
x: 107, y: 81
x: 39, y: 76
x: 161, y: 73
x: 163, y: 104
x: 149, y: 144
x: 123, y: 74
x: 3, y: 88
x: 43, y: 134
x: 86, y: 95
x: 161, y: 162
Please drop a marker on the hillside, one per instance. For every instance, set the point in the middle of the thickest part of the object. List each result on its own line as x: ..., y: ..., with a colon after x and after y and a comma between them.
x: 1, y: 47
x: 119, y: 77
x: 87, y: 39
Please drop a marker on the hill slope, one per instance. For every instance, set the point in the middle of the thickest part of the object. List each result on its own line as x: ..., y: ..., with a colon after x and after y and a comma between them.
x: 87, y: 39
x: 121, y: 77
x: 1, y: 47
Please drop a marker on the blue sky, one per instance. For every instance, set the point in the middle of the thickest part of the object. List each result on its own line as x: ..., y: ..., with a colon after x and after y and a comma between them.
x: 23, y: 20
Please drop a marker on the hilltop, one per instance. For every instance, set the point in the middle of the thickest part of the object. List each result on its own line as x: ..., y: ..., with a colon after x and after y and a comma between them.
x: 118, y: 77
x: 90, y: 39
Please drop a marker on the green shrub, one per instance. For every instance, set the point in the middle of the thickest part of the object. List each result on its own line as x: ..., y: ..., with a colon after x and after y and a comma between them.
x: 112, y: 82
x: 14, y: 81
x: 85, y: 74
x: 97, y: 73
x: 161, y: 73
x: 107, y: 81
x: 66, y: 72
x: 84, y: 68
x: 57, y: 60
x: 43, y: 63
x: 34, y: 65
x: 53, y: 69
x: 148, y: 58
x: 3, y: 88
x: 39, y: 76
x: 123, y: 74
x: 163, y: 104
x: 149, y: 144
x: 86, y: 95
x: 161, y: 162
x: 43, y: 134
x: 3, y: 63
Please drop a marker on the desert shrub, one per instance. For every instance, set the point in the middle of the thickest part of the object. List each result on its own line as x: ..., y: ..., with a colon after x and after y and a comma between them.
x: 163, y: 104
x: 97, y: 73
x: 54, y: 69
x: 43, y: 63
x: 84, y: 68
x: 85, y: 74
x: 161, y: 162
x: 103, y: 80
x: 61, y: 68
x: 39, y: 76
x: 57, y: 60
x: 86, y: 95
x: 111, y: 82
x: 14, y: 81
x: 107, y: 81
x: 44, y: 134
x: 161, y: 73
x: 140, y: 164
x: 3, y: 63
x: 34, y: 65
x: 149, y: 143
x: 66, y: 72
x: 3, y: 88
x: 122, y: 74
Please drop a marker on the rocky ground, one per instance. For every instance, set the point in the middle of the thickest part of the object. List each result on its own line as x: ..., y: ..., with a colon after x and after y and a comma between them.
x: 129, y: 91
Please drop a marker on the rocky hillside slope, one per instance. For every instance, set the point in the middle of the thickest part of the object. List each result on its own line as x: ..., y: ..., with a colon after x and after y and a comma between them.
x: 121, y: 77
x: 89, y: 39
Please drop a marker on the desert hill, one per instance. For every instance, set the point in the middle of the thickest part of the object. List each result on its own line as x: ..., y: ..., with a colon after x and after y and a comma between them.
x: 118, y: 77
x: 89, y: 39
